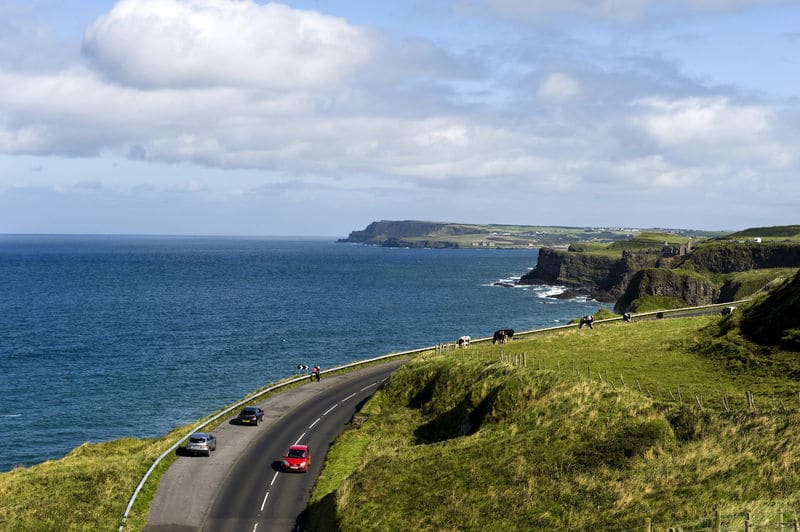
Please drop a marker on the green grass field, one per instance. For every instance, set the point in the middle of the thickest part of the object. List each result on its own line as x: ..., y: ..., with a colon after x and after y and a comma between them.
x: 600, y: 429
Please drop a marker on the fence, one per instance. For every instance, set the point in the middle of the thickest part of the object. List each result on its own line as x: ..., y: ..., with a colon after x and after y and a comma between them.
x: 745, y: 521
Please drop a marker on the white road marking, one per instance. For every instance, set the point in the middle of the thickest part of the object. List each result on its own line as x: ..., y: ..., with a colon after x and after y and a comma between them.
x: 328, y: 411
x: 264, y: 502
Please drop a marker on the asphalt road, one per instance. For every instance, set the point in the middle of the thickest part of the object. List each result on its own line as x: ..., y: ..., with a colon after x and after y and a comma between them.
x: 240, y: 486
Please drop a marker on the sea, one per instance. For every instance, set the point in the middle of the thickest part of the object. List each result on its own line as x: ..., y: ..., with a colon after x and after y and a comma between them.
x: 103, y: 337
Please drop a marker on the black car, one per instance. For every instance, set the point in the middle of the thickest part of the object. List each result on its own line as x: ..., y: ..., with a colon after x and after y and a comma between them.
x: 251, y: 415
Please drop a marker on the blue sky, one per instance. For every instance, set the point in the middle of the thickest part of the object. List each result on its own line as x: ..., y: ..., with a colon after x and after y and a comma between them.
x: 312, y: 117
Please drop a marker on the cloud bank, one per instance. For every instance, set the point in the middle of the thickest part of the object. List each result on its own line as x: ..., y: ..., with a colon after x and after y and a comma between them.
x: 311, y: 98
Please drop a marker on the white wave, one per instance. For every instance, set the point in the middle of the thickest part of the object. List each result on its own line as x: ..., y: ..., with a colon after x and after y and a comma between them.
x: 11, y: 415
x: 545, y: 290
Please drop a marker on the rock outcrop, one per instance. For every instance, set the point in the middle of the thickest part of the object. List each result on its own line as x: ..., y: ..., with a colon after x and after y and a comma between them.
x: 674, y: 275
x: 390, y: 233
x: 603, y: 277
x: 684, y: 288
x: 727, y: 257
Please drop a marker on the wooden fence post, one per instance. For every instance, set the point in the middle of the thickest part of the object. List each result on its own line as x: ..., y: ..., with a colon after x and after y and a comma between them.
x: 717, y: 520
x: 648, y: 524
x: 747, y: 520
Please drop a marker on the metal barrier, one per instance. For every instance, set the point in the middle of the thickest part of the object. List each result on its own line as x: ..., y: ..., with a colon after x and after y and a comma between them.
x: 239, y: 404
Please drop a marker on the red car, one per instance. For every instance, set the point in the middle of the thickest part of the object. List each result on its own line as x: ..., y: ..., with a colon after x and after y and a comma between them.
x: 297, y: 458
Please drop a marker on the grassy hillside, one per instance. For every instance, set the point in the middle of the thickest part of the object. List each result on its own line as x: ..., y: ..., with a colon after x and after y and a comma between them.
x: 780, y: 232
x: 646, y: 241
x: 86, y: 490
x: 598, y: 429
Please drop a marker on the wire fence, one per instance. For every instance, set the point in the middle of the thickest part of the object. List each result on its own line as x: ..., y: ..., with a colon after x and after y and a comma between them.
x: 746, y: 521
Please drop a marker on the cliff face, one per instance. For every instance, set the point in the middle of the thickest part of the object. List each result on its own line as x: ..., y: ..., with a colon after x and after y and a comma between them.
x: 739, y: 257
x: 604, y: 277
x: 389, y: 231
x: 682, y: 280
x: 689, y: 288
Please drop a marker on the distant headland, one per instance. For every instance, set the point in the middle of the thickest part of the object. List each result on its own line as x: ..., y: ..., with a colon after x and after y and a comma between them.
x: 422, y: 234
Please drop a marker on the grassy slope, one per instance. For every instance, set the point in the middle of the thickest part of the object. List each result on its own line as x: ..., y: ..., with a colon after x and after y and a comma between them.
x: 467, y: 441
x: 86, y: 490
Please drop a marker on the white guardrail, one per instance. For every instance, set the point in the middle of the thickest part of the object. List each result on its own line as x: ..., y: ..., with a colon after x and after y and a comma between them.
x: 654, y: 314
x: 240, y: 403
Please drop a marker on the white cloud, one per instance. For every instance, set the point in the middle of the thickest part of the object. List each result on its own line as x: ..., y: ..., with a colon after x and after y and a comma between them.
x: 198, y: 43
x: 559, y: 87
x: 714, y: 128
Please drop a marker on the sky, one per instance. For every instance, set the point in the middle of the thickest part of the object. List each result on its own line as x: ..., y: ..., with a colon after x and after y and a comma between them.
x: 317, y: 117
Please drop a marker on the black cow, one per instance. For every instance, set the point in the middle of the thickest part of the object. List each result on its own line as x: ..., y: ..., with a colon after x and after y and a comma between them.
x: 587, y: 320
x: 502, y: 336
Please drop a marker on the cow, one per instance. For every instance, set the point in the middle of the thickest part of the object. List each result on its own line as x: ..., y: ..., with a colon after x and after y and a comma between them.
x: 727, y: 311
x: 463, y: 341
x: 626, y: 317
x: 502, y: 336
x: 587, y: 320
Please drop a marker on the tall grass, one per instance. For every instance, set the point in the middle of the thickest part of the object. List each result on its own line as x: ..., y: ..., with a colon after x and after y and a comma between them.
x: 473, y: 440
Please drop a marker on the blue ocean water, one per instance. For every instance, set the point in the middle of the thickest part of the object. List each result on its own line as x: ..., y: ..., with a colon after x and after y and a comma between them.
x: 109, y: 336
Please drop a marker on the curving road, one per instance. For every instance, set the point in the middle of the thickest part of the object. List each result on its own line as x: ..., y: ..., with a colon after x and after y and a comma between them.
x: 240, y: 487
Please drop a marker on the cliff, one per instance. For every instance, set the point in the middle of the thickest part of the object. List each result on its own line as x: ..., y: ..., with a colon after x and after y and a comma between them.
x: 604, y: 277
x: 605, y: 271
x: 666, y: 288
x: 386, y: 231
x: 727, y: 257
x: 672, y: 271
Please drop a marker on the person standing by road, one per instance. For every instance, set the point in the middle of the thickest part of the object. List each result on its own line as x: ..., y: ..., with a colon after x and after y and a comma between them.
x: 315, y: 373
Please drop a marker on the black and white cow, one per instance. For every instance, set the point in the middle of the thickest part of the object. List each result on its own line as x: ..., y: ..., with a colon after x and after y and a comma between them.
x: 587, y: 320
x: 463, y: 341
x: 502, y: 336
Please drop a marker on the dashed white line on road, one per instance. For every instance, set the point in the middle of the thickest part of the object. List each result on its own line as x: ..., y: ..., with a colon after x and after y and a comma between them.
x: 368, y: 386
x: 273, y: 478
x: 303, y: 435
x: 348, y: 397
x: 314, y: 423
x: 328, y: 411
x: 264, y: 502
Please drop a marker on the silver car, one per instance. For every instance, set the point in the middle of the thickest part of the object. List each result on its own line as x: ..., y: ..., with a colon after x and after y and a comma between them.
x: 201, y: 443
